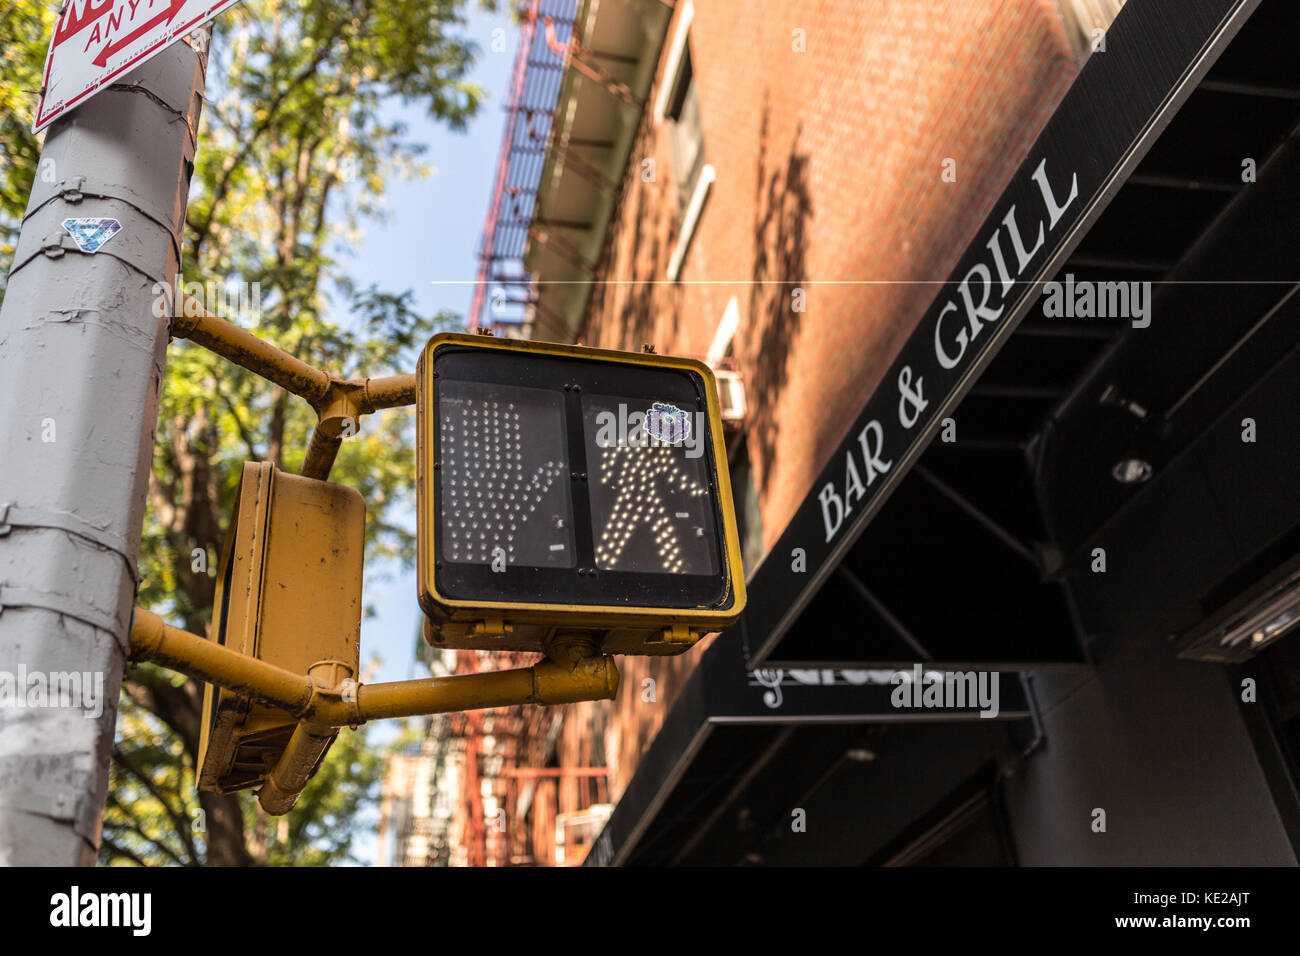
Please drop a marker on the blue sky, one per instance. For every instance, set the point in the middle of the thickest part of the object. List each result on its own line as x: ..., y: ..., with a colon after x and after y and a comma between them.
x: 439, y: 265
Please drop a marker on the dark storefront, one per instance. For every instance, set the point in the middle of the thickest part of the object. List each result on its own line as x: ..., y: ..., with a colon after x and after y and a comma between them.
x: 1085, y: 484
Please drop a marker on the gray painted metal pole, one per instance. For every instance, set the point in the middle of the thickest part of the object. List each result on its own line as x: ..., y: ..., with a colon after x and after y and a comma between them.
x: 81, y: 365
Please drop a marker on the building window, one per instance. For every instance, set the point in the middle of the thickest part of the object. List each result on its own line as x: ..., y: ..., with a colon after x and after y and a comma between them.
x: 678, y: 104
x: 687, y: 136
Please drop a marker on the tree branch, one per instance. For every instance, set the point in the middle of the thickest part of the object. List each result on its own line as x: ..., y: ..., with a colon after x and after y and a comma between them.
x: 236, y: 160
x: 119, y: 850
x: 136, y: 829
x: 180, y: 821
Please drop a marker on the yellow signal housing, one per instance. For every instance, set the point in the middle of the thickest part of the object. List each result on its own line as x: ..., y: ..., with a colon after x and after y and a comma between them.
x: 288, y: 593
x: 571, y: 490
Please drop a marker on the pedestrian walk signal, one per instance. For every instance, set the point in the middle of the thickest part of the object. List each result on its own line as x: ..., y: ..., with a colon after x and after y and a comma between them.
x: 569, y: 487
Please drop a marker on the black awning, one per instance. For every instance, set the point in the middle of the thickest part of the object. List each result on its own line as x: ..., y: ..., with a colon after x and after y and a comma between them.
x: 731, y: 730
x: 980, y: 557
x: 960, y: 552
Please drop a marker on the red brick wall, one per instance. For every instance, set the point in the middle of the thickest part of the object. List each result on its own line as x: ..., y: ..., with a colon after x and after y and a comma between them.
x: 829, y: 166
x: 829, y: 179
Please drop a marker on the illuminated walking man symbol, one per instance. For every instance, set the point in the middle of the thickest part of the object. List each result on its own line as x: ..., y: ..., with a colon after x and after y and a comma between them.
x: 643, y: 477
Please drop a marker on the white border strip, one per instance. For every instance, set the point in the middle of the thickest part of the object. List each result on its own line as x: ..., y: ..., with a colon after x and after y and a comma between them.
x: 692, y: 218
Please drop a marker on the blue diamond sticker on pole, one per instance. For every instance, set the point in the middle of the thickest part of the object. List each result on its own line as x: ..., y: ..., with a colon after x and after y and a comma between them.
x: 91, y: 234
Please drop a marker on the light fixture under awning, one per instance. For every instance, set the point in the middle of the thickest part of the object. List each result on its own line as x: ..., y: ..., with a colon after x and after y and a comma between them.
x: 1251, y: 623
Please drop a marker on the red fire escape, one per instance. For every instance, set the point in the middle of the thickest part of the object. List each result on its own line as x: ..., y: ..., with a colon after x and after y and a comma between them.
x: 503, y: 293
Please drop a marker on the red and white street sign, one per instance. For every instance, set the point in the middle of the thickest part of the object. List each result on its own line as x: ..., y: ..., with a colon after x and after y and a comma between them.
x: 96, y: 41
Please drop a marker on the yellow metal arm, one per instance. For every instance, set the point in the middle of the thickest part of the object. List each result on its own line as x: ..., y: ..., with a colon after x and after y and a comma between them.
x: 347, y: 401
x: 571, y: 674
x: 245, y: 349
x: 336, y: 401
x: 153, y: 639
x: 564, y: 679
x: 288, y: 778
